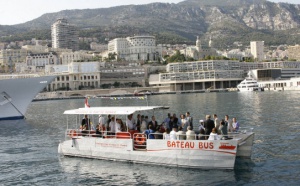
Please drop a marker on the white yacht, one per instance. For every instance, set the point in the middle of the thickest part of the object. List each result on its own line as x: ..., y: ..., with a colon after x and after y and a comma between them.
x: 249, y: 84
x: 17, y: 92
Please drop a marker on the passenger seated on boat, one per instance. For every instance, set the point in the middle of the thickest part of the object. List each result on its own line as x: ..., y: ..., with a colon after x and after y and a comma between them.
x: 176, y: 120
x: 138, y: 122
x: 159, y: 132
x: 167, y: 121
x: 201, y: 134
x: 149, y: 132
x: 223, y: 129
x: 201, y: 124
x: 213, y: 135
x: 190, y: 134
x: 228, y: 122
x: 144, y: 124
x: 235, y: 125
x: 101, y: 121
x: 118, y: 126
x: 130, y: 125
x: 172, y: 123
x: 208, y: 125
x: 123, y: 126
x: 85, y: 123
x: 184, y: 122
x: 173, y: 134
x: 166, y: 135
x: 107, y: 122
x: 153, y: 122
x: 180, y: 134
x: 98, y: 130
x: 112, y: 126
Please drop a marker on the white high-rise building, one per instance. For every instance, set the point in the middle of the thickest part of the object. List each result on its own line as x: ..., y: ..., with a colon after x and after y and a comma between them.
x: 64, y: 35
x: 136, y: 48
x: 257, y: 50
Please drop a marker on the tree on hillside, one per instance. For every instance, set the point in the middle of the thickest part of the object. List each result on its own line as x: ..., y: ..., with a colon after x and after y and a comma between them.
x: 176, y: 58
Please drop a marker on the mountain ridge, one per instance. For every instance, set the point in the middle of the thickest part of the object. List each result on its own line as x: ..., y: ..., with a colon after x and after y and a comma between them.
x: 225, y: 20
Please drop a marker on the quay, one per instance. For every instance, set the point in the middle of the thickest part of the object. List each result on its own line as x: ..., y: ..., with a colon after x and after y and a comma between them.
x: 116, y: 92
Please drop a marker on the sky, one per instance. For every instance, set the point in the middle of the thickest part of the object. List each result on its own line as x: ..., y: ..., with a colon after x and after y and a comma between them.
x: 20, y: 11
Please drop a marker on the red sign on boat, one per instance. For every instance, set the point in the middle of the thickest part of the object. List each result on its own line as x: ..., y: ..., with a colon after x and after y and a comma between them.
x: 226, y: 146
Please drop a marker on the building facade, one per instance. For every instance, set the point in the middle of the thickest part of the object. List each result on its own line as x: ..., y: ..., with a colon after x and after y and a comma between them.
x: 37, y: 62
x: 136, y: 48
x: 257, y: 50
x: 198, y: 51
x: 64, y: 35
x: 10, y: 57
x: 294, y: 52
x: 202, y: 75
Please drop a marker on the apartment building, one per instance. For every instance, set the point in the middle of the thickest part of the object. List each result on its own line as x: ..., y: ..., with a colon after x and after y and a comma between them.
x: 257, y: 50
x: 64, y: 35
x: 10, y: 57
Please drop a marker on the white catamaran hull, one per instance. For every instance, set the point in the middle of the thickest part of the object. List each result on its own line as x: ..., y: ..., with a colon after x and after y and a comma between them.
x: 17, y: 94
x: 179, y: 153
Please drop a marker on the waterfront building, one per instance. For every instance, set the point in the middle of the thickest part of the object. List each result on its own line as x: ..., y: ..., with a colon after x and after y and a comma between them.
x: 199, y: 75
x: 294, y: 52
x: 220, y: 74
x: 123, y: 73
x: 278, y: 85
x: 64, y: 35
x: 75, y: 81
x: 75, y: 76
x: 287, y: 70
x: 136, y: 48
x: 257, y: 50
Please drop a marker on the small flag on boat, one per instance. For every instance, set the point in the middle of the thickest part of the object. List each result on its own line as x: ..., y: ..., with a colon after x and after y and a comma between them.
x: 86, y: 103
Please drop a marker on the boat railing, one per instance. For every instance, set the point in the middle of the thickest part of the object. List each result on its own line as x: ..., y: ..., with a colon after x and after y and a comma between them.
x: 165, y: 136
x: 75, y: 133
x: 136, y: 136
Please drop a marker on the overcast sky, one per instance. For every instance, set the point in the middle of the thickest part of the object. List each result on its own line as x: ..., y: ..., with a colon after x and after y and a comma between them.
x: 20, y: 11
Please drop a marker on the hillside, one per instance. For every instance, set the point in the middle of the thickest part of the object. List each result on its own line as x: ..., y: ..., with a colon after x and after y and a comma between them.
x: 225, y: 21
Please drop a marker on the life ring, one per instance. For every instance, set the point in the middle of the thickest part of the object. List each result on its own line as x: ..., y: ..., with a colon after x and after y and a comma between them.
x: 72, y: 133
x: 140, y: 139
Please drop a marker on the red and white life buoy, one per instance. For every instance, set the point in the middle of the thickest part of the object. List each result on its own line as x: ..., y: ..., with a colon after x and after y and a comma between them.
x: 72, y: 133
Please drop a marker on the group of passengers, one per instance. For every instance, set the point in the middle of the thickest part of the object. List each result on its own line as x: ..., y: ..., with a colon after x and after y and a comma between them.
x: 172, y: 128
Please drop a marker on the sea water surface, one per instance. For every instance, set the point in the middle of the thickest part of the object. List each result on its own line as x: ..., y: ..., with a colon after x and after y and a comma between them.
x: 28, y: 153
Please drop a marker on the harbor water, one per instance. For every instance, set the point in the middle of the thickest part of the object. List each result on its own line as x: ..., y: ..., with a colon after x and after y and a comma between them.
x: 28, y: 153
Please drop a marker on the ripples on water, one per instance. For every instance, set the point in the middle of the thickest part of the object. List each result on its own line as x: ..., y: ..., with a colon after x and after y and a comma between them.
x: 29, y: 148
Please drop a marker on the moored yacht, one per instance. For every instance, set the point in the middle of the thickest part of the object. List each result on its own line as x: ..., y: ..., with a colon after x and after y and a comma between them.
x: 249, y: 84
x: 17, y: 92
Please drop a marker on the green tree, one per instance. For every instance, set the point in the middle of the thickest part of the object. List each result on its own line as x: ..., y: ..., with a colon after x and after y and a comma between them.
x: 112, y: 56
x: 116, y: 84
x: 176, y: 58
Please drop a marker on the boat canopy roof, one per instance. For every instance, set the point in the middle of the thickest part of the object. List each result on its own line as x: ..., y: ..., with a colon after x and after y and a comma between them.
x: 112, y: 110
